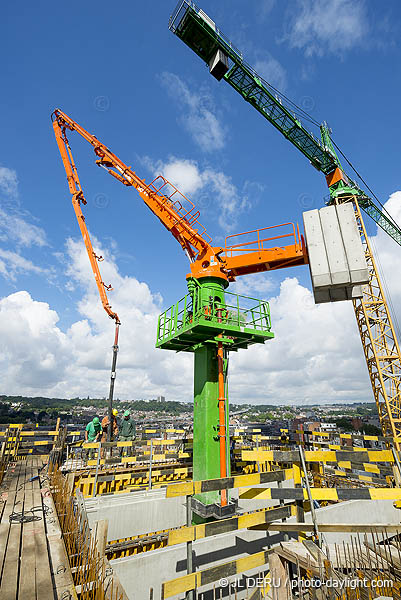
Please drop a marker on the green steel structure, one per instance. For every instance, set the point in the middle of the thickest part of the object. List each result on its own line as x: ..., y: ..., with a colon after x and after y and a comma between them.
x: 205, y: 316
x: 379, y: 340
x: 207, y: 311
x: 200, y: 33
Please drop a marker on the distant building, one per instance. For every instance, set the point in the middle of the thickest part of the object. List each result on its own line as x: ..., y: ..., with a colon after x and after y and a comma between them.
x: 328, y: 427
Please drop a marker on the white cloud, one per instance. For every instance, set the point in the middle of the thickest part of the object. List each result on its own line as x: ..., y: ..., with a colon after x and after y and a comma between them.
x: 198, y: 115
x: 16, y: 230
x: 41, y: 358
x: 8, y: 182
x: 316, y: 354
x: 319, y: 26
x: 259, y: 285
x: 208, y: 188
x: 34, y: 353
x: 388, y: 255
x: 13, y: 264
x: 272, y: 72
x: 14, y: 227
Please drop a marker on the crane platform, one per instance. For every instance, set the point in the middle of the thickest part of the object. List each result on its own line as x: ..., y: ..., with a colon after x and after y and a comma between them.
x: 242, y: 321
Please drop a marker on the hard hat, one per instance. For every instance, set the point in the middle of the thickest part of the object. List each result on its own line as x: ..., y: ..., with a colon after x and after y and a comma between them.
x: 96, y: 421
x: 115, y: 412
x: 127, y: 413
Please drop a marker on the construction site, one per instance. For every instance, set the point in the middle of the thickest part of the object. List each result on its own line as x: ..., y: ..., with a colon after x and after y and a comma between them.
x: 219, y: 511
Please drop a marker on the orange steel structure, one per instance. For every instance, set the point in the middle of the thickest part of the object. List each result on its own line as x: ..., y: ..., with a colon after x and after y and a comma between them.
x: 78, y: 199
x: 180, y: 216
x: 222, y: 418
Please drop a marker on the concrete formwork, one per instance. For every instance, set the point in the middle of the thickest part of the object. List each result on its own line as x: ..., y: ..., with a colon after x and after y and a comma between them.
x: 149, y: 510
x: 137, y: 512
x: 139, y: 573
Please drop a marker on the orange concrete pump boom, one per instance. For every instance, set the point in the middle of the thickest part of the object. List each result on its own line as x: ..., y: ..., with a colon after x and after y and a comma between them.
x: 78, y: 199
x: 180, y: 216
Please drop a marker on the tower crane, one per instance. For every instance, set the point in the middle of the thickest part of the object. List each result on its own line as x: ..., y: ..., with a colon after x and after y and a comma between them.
x: 380, y: 345
x: 209, y: 321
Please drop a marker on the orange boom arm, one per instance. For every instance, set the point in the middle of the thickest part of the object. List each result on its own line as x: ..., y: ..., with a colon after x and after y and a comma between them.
x: 180, y: 216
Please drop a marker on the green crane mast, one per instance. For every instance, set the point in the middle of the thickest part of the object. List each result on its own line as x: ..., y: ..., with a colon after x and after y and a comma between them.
x: 226, y: 62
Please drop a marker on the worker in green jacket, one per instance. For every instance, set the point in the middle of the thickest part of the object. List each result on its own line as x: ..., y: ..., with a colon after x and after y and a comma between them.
x: 127, y: 432
x: 93, y: 433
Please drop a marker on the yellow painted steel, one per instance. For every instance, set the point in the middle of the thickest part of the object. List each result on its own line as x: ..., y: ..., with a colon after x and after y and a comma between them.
x: 318, y: 455
x: 180, y: 585
x: 328, y: 494
x: 380, y: 344
x: 197, y: 532
x: 185, y: 583
x: 190, y: 488
x: 343, y: 436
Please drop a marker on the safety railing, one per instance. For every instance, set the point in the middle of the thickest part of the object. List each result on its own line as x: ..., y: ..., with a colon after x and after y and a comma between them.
x: 237, y: 313
x: 175, y: 199
x: 258, y: 240
x: 177, y: 19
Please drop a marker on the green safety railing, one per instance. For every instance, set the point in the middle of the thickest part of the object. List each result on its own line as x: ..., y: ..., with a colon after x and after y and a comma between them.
x: 238, y: 314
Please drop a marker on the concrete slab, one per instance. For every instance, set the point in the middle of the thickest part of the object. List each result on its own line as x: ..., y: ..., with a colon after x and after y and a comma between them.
x: 318, y: 263
x: 352, y: 243
x: 333, y: 242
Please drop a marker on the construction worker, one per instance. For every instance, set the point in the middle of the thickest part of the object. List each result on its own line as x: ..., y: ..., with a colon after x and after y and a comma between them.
x: 127, y: 431
x: 114, y: 426
x: 93, y: 433
x: 105, y: 427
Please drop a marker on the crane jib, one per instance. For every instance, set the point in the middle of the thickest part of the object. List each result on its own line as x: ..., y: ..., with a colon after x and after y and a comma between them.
x: 199, y: 32
x: 270, y: 107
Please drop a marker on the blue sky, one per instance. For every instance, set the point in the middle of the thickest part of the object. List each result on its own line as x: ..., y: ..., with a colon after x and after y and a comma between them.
x: 126, y: 78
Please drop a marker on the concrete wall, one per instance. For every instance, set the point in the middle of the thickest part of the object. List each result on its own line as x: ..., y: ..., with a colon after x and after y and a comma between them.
x: 144, y: 571
x: 149, y: 570
x: 147, y: 511
x: 377, y: 512
x: 137, y: 512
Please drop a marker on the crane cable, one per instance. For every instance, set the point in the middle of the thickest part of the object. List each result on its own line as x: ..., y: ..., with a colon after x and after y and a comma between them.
x: 365, y: 184
x: 308, y: 117
x: 376, y: 253
x: 292, y: 105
